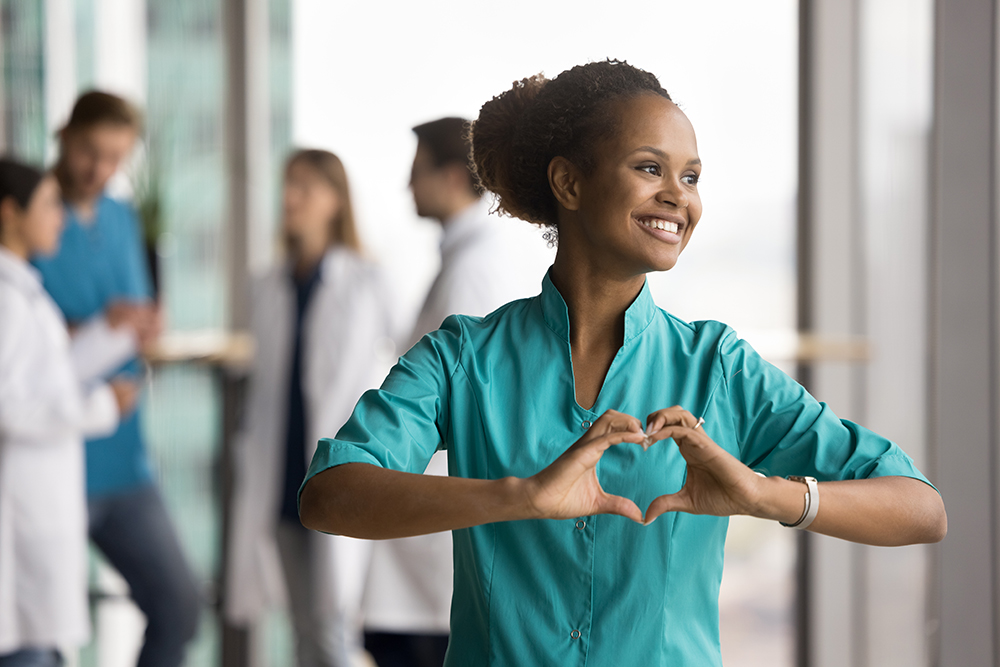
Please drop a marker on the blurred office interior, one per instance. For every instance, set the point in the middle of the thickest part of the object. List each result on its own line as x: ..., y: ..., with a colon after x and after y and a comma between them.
x: 850, y: 233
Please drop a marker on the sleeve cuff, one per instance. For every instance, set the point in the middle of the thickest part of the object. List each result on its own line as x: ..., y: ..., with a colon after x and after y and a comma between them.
x: 892, y: 464
x: 100, y: 412
x: 330, y: 454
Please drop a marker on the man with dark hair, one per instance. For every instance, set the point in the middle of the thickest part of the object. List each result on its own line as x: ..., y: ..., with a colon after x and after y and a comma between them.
x: 101, y: 281
x: 408, y: 593
x: 474, y: 245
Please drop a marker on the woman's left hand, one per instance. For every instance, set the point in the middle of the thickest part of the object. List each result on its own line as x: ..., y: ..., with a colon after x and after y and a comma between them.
x: 717, y: 482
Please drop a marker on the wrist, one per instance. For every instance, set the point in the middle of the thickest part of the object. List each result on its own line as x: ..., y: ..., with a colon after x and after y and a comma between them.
x: 780, y: 500
x: 517, y: 499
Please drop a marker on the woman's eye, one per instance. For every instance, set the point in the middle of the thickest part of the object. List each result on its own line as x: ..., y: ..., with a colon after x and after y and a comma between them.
x: 690, y: 179
x: 653, y: 169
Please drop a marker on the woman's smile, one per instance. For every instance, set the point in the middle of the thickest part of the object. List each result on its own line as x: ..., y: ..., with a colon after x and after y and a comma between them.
x: 646, y: 177
x: 667, y: 228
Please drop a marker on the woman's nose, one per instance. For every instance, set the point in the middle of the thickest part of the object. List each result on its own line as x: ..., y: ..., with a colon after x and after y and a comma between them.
x: 673, y: 193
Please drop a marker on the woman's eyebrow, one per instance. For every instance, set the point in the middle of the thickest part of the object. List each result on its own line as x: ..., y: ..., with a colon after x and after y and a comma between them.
x: 659, y: 153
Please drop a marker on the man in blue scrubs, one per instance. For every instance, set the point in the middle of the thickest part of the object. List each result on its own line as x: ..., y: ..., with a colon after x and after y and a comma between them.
x: 100, y: 280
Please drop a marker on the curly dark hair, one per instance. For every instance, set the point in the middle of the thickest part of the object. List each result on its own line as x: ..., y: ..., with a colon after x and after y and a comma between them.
x: 520, y: 130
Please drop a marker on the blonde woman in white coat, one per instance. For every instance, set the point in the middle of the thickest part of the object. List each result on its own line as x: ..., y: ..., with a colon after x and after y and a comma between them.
x: 323, y: 329
x: 44, y: 414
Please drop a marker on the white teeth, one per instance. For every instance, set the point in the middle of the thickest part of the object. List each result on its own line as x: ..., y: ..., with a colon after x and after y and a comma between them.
x: 665, y: 225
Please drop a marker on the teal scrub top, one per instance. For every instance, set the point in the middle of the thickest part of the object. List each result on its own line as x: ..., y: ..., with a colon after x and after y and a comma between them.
x: 498, y: 394
x: 96, y: 264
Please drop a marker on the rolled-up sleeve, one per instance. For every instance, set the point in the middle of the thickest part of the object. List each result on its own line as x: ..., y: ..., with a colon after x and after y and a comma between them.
x: 782, y: 430
x: 400, y: 425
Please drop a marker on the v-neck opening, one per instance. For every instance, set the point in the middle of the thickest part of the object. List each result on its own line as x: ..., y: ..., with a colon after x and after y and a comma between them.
x: 555, y: 314
x: 604, y: 381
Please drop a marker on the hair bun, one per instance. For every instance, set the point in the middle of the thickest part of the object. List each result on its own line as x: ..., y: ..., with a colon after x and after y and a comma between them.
x: 520, y: 131
x: 495, y: 144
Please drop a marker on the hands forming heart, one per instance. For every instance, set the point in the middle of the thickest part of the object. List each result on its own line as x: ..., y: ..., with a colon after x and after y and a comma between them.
x: 717, y: 483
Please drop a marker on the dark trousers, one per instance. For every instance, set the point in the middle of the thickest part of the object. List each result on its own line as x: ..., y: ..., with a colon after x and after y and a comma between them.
x: 32, y: 657
x: 134, y: 532
x: 393, y: 650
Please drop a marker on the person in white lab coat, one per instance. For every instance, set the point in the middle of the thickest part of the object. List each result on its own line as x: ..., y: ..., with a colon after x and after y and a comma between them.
x: 408, y: 591
x: 323, y: 329
x: 45, y: 411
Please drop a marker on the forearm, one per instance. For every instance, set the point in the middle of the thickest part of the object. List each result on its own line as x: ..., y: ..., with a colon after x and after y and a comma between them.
x: 883, y: 511
x: 366, y: 501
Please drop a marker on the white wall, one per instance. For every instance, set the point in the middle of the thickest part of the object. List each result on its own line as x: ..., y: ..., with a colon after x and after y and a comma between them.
x: 365, y: 73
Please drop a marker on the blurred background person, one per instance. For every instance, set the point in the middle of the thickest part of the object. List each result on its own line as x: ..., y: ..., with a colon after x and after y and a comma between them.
x: 44, y: 413
x: 323, y: 329
x: 408, y: 592
x: 100, y: 280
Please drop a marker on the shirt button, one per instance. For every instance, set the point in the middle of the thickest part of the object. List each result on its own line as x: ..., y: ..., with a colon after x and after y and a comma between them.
x: 581, y: 524
x: 586, y: 424
x: 575, y: 634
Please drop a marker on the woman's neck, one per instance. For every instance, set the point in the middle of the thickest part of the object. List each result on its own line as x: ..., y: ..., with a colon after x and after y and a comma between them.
x: 596, y: 302
x: 304, y: 263
x: 14, y: 247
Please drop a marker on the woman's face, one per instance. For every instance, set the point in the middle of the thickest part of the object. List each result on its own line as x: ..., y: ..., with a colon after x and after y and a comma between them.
x: 640, y: 205
x: 43, y: 219
x: 92, y: 155
x: 309, y: 204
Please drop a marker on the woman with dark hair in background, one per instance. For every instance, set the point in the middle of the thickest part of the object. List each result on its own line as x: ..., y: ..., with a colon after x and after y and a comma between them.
x: 45, y: 410
x: 100, y: 281
x: 323, y: 330
x: 596, y: 443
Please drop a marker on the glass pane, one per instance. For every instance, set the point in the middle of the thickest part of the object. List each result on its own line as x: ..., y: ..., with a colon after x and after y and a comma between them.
x: 185, y: 158
x: 23, y: 92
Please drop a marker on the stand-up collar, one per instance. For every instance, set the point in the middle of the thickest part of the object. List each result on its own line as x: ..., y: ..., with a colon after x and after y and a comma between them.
x: 556, y: 313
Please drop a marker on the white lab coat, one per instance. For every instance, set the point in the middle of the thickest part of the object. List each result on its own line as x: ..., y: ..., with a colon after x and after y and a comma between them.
x: 410, y: 580
x: 44, y: 415
x: 347, y: 349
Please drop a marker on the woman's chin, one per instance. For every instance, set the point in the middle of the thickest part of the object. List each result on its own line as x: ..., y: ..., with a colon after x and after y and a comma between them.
x: 663, y: 263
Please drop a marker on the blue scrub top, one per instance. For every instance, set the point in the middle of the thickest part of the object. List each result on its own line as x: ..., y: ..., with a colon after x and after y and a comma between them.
x: 498, y: 394
x: 95, y: 265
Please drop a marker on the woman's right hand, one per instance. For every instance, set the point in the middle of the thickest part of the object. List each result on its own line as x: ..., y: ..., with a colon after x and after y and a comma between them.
x: 569, y: 488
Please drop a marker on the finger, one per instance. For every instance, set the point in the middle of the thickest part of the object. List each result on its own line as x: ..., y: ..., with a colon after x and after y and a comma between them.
x: 672, y: 415
x: 656, y: 421
x: 682, y: 436
x: 588, y: 453
x: 617, y: 438
x: 672, y: 502
x: 620, y: 506
x: 613, y: 420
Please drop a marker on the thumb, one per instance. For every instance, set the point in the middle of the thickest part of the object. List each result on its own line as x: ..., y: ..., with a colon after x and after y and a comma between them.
x: 671, y: 502
x: 620, y: 506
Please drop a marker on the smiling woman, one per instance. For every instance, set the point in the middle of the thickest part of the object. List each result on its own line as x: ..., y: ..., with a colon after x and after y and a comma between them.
x: 553, y: 563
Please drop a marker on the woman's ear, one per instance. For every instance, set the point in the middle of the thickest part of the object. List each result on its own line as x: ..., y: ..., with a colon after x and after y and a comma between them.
x: 564, y: 179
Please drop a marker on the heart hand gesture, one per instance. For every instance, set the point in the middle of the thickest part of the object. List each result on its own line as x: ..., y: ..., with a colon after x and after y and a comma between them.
x: 717, y: 483
x: 569, y: 487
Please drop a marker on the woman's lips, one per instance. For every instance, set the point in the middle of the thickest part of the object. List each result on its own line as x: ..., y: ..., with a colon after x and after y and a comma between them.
x: 665, y: 230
